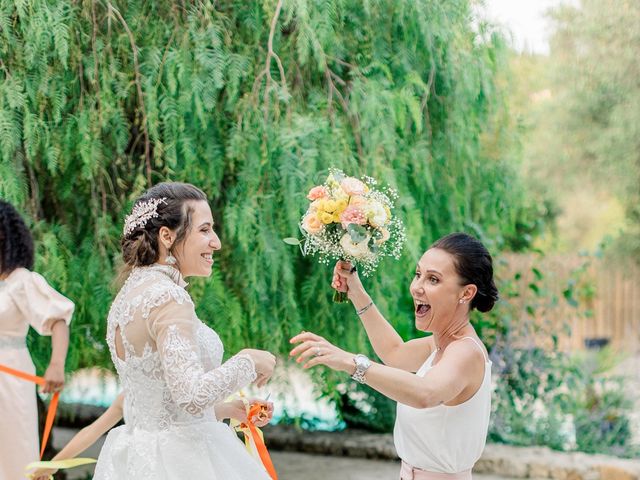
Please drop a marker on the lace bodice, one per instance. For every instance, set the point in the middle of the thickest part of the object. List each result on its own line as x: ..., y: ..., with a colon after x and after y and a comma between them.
x: 168, y: 361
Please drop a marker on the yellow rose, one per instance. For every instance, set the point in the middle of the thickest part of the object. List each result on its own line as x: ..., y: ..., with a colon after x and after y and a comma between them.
x: 325, y: 217
x: 341, y: 206
x: 318, y: 205
x: 330, y: 206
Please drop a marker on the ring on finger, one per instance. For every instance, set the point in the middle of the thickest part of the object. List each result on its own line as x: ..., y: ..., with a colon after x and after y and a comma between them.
x: 318, y: 352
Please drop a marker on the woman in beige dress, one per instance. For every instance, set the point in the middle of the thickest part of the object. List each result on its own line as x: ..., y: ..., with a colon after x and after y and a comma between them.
x: 26, y: 299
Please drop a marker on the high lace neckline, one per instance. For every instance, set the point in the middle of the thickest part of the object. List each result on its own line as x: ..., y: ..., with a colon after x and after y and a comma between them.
x: 171, y: 272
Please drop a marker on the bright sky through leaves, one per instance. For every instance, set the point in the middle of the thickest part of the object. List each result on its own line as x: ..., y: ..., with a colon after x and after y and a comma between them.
x: 526, y: 21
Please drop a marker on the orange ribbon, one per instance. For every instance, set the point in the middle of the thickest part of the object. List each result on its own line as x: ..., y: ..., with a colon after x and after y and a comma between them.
x: 53, y: 404
x: 254, y: 411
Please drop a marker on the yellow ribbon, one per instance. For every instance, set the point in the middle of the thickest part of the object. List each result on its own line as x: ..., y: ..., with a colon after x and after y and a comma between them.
x: 59, y: 464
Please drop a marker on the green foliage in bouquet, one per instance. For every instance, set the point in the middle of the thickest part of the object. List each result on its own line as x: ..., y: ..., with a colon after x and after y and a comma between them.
x: 248, y: 100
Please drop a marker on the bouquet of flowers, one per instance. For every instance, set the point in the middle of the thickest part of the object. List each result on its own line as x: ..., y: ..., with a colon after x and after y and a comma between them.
x: 351, y: 219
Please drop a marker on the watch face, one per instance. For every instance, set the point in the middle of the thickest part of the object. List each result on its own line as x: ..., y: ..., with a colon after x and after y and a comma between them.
x: 362, y: 361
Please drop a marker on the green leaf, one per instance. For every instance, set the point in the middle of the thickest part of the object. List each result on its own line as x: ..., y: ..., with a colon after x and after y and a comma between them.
x: 292, y: 241
x: 372, y: 246
x: 357, y: 232
x: 537, y: 273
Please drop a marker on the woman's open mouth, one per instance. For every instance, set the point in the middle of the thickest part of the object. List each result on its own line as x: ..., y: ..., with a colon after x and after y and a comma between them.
x: 422, y: 309
x: 208, y: 257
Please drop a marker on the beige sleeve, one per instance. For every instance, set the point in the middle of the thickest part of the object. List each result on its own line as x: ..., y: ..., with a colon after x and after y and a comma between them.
x: 40, y: 303
x: 173, y: 326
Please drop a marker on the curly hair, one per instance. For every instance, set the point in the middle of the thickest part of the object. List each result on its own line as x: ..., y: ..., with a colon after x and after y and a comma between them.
x: 16, y: 243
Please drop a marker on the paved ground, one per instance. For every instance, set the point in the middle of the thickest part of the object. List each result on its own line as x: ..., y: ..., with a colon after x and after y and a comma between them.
x: 289, y: 465
x: 302, y: 466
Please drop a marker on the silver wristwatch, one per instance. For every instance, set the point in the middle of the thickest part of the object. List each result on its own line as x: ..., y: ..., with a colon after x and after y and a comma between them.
x: 362, y: 365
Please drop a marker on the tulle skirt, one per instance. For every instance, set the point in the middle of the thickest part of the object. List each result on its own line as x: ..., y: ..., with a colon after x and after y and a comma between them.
x: 207, y: 450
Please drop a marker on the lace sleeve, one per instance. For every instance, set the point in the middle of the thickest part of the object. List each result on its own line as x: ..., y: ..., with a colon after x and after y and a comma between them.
x: 193, y: 388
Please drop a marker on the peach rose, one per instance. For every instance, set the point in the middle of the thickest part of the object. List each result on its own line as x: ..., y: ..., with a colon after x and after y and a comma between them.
x: 317, y: 192
x: 312, y: 224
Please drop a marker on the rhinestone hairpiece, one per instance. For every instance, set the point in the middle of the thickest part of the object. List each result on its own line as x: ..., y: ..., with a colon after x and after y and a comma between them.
x: 141, y: 213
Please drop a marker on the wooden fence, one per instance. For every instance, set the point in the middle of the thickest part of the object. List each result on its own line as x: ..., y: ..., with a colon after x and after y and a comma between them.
x: 543, y: 291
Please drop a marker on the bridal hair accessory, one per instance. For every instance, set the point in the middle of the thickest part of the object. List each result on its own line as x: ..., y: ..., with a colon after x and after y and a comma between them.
x: 142, y: 212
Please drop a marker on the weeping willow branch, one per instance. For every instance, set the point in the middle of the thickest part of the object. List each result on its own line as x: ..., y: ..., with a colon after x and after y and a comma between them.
x: 353, y: 118
x: 138, y: 82
x: 4, y: 68
x: 266, y: 71
x: 94, y: 52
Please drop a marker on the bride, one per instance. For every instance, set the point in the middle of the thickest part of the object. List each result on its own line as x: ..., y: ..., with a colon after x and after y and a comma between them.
x: 168, y: 361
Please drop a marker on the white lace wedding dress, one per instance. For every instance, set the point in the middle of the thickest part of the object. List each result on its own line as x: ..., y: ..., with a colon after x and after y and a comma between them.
x: 169, y: 364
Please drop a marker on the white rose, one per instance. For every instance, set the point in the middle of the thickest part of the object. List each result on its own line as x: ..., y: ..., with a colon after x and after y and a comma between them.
x: 356, y: 250
x: 376, y: 214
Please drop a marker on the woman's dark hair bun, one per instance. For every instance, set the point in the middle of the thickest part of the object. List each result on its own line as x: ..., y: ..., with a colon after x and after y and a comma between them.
x: 474, y: 265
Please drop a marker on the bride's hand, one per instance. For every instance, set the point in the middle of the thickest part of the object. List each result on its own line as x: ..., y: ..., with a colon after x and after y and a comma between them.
x: 42, y: 474
x: 236, y: 409
x: 265, y: 363
x: 315, y: 350
x: 345, y: 279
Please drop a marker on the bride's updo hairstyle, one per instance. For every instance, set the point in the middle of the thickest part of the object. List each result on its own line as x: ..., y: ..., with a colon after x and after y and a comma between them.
x: 163, y: 205
x: 473, y: 265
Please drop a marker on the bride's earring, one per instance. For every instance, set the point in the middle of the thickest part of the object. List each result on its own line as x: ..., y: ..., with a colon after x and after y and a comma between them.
x: 170, y: 259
